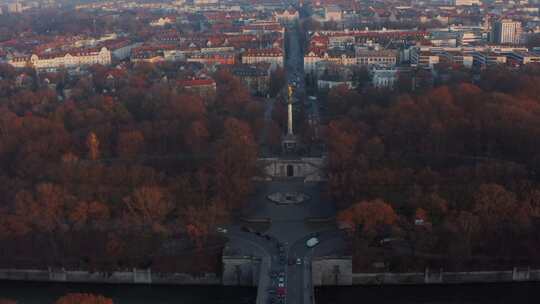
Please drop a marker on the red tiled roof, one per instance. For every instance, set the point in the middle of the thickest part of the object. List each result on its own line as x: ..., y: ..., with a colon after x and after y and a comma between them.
x: 196, y: 82
x: 264, y: 52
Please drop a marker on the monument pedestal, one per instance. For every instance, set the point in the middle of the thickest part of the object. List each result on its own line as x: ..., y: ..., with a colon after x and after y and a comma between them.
x: 289, y: 143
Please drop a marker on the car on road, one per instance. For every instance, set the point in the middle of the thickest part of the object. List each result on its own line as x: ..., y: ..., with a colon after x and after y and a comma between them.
x: 298, y: 261
x: 281, y: 280
x: 221, y: 230
x: 281, y: 285
x: 312, y: 242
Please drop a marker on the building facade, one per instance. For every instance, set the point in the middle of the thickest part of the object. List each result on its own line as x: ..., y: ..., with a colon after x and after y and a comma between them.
x: 506, y: 31
x: 71, y: 59
x: 272, y: 56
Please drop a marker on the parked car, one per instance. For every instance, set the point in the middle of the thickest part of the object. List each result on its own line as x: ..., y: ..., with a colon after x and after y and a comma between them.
x: 312, y: 242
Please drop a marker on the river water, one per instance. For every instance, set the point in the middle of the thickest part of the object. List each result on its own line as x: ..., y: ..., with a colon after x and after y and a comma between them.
x: 47, y: 293
x: 507, y: 293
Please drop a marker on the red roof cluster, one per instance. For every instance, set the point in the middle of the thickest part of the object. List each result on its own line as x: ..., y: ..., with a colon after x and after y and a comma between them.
x: 264, y: 52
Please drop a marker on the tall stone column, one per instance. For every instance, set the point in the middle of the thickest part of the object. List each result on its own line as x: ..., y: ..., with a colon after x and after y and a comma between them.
x: 290, y: 120
x: 290, y: 114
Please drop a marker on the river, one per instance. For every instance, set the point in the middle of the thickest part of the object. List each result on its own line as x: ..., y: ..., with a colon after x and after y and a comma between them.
x: 47, y: 293
x: 507, y: 293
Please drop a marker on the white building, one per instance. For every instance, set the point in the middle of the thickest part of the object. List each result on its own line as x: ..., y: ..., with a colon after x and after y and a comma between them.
x: 205, y: 2
x: 310, y: 61
x: 15, y: 7
x: 466, y: 2
x: 468, y: 38
x: 162, y: 21
x: 70, y: 59
x: 329, y: 84
x: 506, y: 31
x: 333, y: 13
x: 272, y: 56
x: 373, y: 57
x: 286, y: 16
x: 336, y: 57
x: 384, y: 78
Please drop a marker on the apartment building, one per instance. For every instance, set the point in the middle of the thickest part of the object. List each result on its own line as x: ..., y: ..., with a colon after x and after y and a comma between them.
x: 223, y: 58
x: 376, y: 57
x: 487, y: 58
x: 521, y: 57
x: 506, y: 31
x: 458, y: 58
x: 423, y: 58
x: 384, y: 78
x: 70, y: 59
x: 273, y: 56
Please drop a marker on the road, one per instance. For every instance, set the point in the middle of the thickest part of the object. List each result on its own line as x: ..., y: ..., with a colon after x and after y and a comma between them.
x: 294, y: 69
x: 300, y: 287
x: 294, y: 61
x: 285, y: 240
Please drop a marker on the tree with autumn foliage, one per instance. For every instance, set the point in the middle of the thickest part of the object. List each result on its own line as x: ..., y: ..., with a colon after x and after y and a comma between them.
x: 129, y: 144
x: 102, y: 179
x: 461, y: 156
x: 235, y: 162
x: 368, y: 216
x: 83, y: 298
x: 148, y: 208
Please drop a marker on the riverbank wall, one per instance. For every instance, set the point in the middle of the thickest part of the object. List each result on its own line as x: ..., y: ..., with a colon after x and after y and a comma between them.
x: 337, y: 271
x: 326, y: 271
x: 135, y: 276
x: 438, y: 276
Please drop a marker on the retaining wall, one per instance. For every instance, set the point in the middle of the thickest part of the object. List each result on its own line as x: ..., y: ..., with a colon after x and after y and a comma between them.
x: 136, y: 276
x: 438, y: 276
